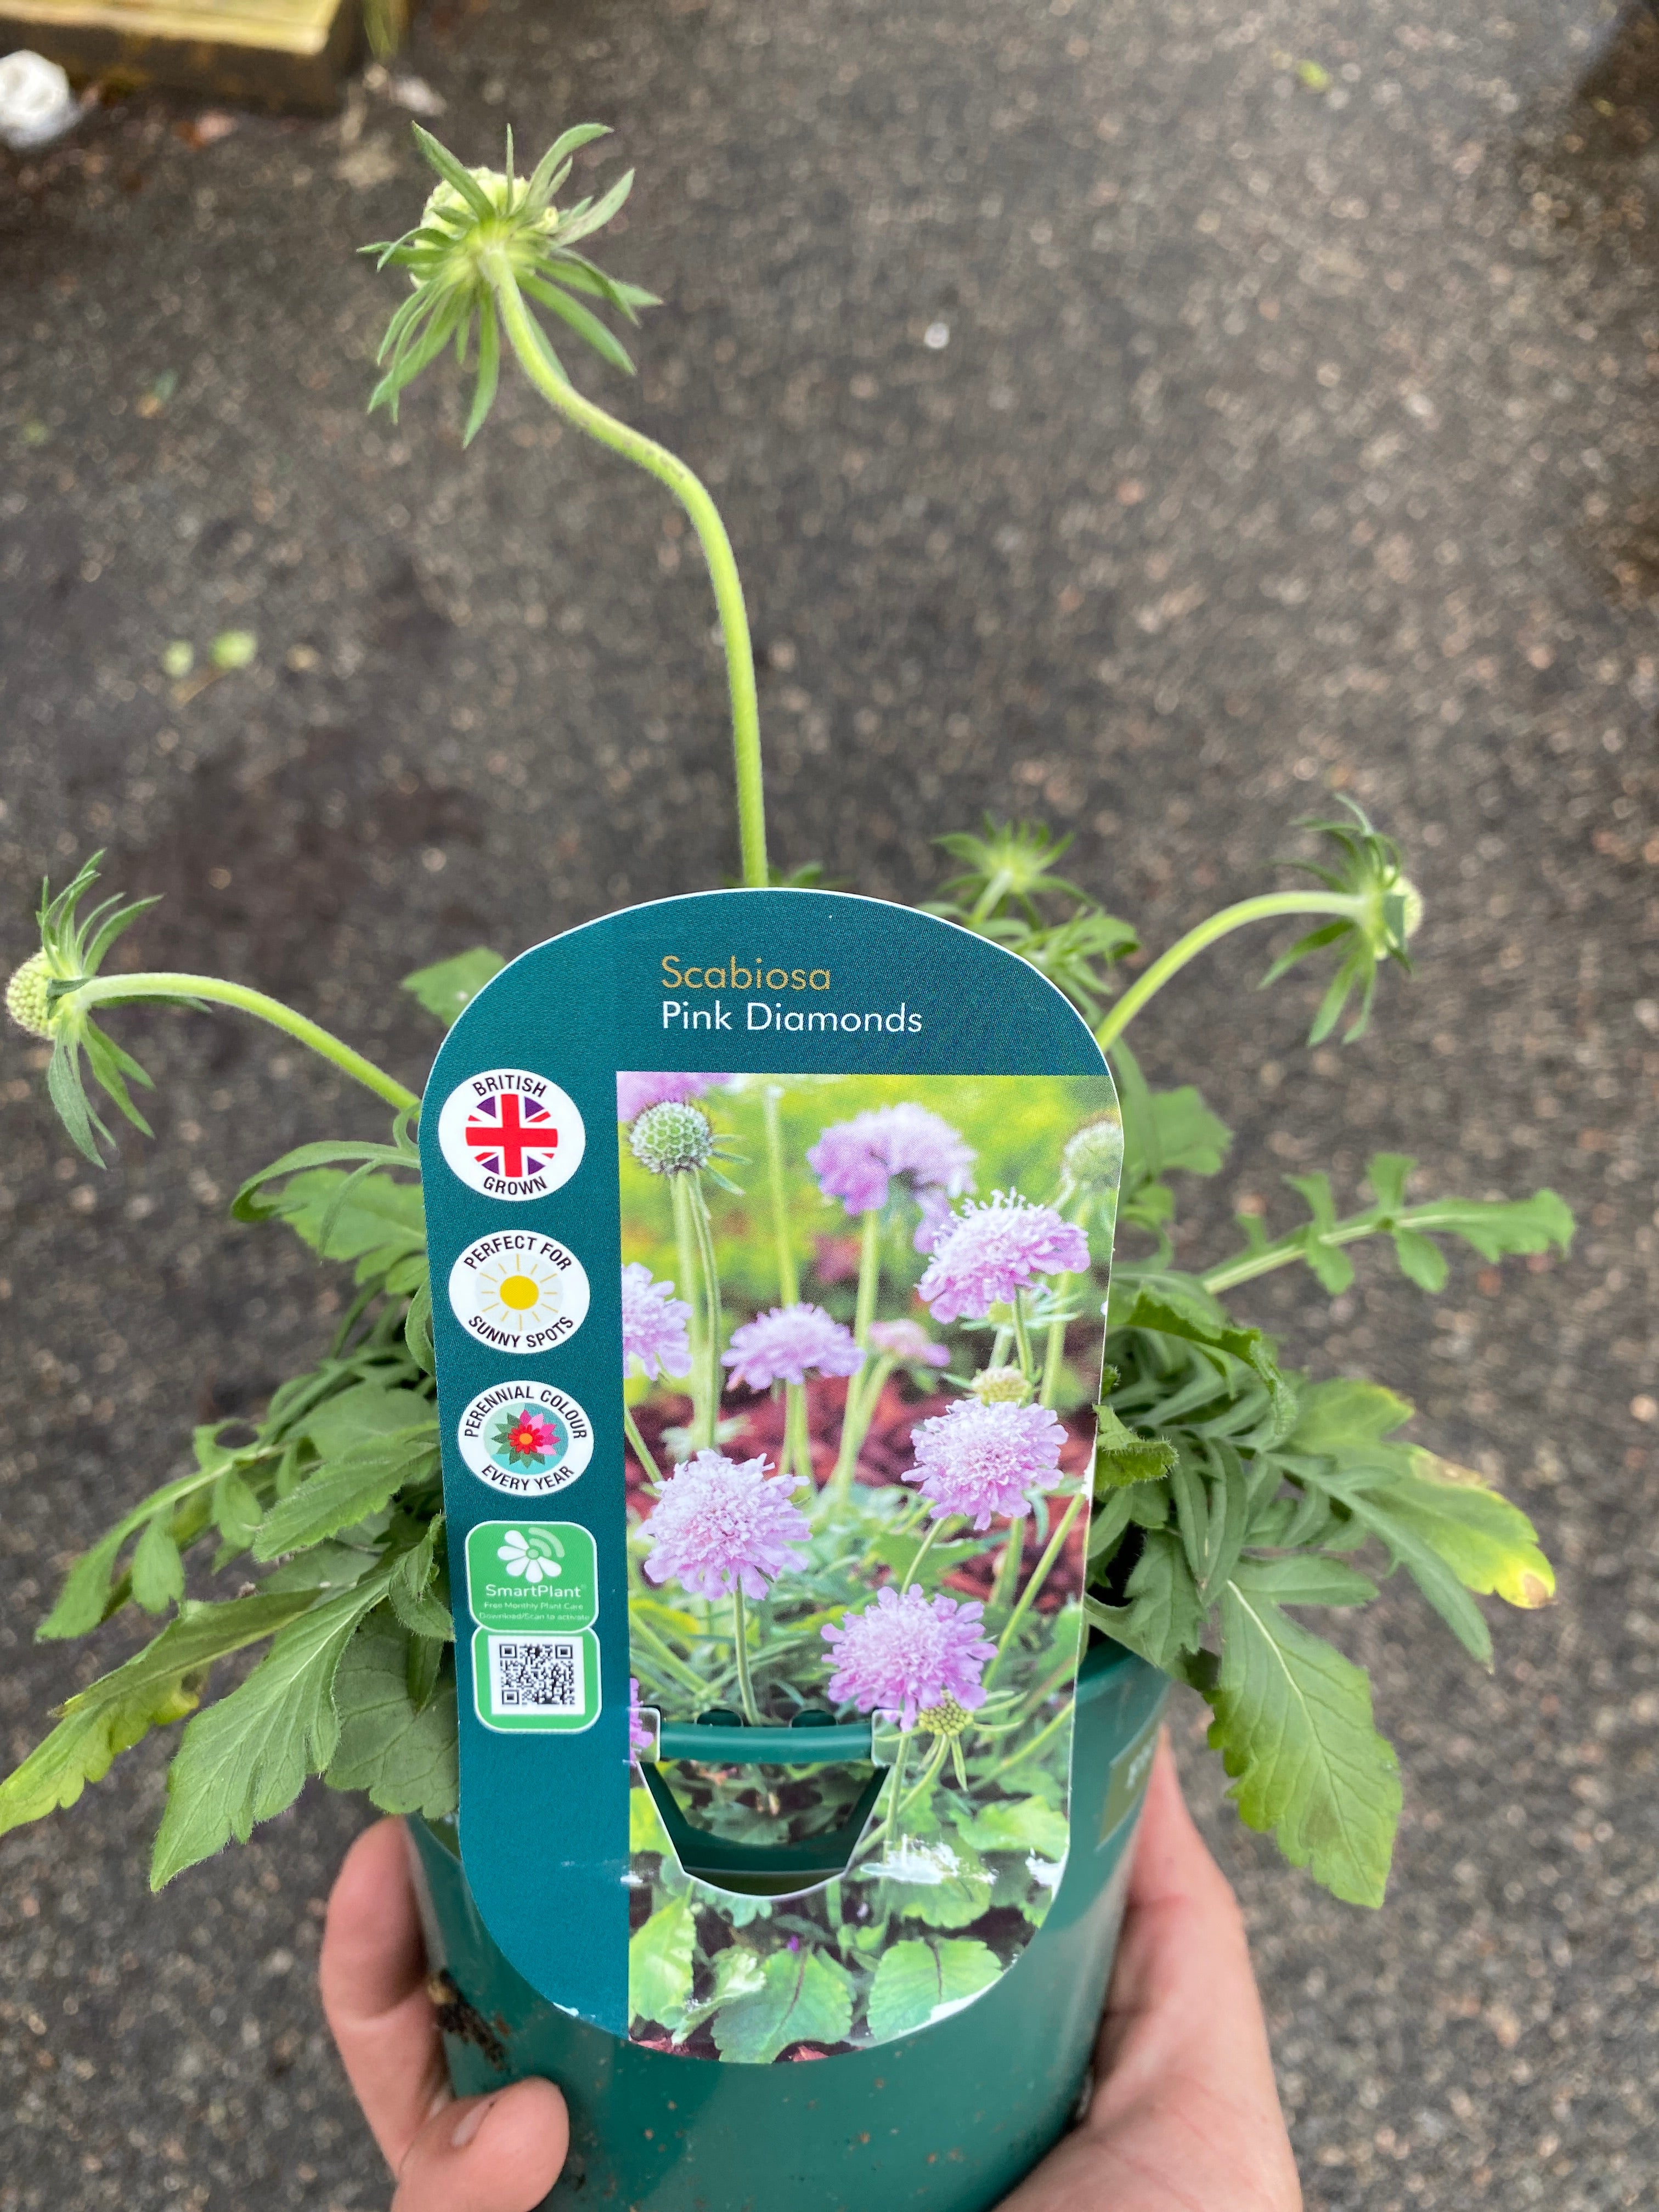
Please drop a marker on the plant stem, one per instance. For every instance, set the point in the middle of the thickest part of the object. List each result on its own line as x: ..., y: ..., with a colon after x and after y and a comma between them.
x: 1054, y: 1356
x: 869, y: 1278
x: 1022, y: 1335
x: 922, y: 1550
x: 740, y: 1630
x: 863, y: 1396
x: 1014, y: 1552
x: 642, y: 1449
x: 797, y: 1435
x: 1039, y: 1575
x: 889, y: 1833
x: 116, y: 990
x: 1271, y: 906
x: 670, y: 470
x: 704, y: 1229
x: 665, y: 1656
x: 685, y: 1242
x: 1245, y: 1266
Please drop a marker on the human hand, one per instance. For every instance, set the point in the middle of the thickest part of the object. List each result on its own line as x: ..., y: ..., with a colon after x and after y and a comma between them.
x: 500, y: 2152
x: 1186, y: 2117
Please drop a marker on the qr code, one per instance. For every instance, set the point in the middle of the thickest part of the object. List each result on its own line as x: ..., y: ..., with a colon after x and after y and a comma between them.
x: 545, y: 1678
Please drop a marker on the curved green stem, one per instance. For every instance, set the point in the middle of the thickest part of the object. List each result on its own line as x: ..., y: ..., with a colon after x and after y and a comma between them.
x: 740, y: 1630
x: 642, y: 1449
x: 869, y: 1276
x: 668, y: 469
x: 1271, y: 906
x: 922, y: 1550
x: 1013, y: 1553
x: 210, y: 990
x: 708, y: 1417
x: 1039, y: 1575
x: 1022, y: 1335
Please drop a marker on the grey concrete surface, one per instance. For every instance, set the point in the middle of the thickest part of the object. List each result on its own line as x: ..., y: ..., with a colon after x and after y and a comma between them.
x: 1294, y: 433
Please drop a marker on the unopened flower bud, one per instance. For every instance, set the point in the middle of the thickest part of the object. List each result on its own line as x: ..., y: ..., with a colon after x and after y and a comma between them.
x: 1093, y: 1160
x: 1000, y: 1386
x: 947, y: 1718
x: 26, y: 1000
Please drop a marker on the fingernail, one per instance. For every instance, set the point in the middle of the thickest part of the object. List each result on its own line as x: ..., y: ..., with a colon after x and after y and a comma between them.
x: 469, y: 2122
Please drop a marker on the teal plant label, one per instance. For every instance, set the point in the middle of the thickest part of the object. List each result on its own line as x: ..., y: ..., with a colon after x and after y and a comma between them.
x: 770, y: 1234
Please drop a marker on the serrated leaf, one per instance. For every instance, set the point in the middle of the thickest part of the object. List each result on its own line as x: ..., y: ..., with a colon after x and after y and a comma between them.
x: 1304, y: 1578
x: 1165, y: 1614
x: 416, y: 1597
x: 448, y: 987
x: 400, y: 1749
x: 1501, y: 1226
x: 804, y: 1997
x: 345, y: 1490
x: 368, y: 1412
x: 160, y: 1683
x: 1122, y: 1457
x: 659, y: 1964
x: 917, y: 1983
x: 158, y: 1572
x: 378, y: 1222
x: 1294, y: 1723
x: 247, y: 1758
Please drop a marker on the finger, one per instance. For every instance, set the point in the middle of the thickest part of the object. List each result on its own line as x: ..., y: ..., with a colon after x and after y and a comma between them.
x: 373, y: 1978
x: 496, y: 2154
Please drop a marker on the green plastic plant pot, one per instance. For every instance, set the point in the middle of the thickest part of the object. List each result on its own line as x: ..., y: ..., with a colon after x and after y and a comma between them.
x: 950, y: 2117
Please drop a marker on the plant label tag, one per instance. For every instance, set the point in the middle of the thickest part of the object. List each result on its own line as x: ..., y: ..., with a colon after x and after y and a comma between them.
x: 770, y: 1236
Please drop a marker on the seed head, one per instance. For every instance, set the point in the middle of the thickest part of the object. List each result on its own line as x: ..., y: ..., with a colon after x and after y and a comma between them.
x: 1000, y: 1386
x: 1093, y: 1160
x: 27, y: 998
x: 673, y: 1138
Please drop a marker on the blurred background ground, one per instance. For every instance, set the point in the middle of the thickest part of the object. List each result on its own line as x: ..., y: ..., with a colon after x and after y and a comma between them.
x: 1286, y: 427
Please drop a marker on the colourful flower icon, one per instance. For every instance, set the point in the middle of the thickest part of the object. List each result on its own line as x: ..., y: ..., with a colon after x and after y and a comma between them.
x: 525, y: 1438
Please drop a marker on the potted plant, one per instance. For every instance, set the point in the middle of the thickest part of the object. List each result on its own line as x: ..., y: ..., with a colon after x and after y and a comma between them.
x: 1230, y: 1491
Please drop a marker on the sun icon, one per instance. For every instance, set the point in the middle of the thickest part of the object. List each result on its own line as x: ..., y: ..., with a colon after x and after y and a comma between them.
x: 519, y: 1292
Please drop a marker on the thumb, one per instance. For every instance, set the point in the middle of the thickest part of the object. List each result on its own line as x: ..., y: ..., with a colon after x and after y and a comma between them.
x: 495, y: 2154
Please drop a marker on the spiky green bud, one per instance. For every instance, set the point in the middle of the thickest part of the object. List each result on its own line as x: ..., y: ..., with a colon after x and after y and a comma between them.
x: 1000, y: 1386
x: 1093, y: 1159
x: 26, y: 996
x: 673, y: 1138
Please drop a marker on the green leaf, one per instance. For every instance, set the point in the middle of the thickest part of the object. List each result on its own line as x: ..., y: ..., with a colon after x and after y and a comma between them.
x: 158, y: 1572
x: 415, y: 1597
x: 345, y: 1491
x: 1421, y: 1261
x: 804, y: 1998
x: 1122, y: 1457
x: 401, y: 1753
x: 1180, y: 1306
x: 1348, y: 1419
x: 1165, y: 1616
x: 160, y: 1683
x: 1294, y: 1723
x: 247, y: 1758
x: 659, y: 1964
x: 368, y: 1412
x: 1018, y: 1824
x: 917, y: 1983
x: 86, y: 1589
x: 1304, y: 1578
x: 377, y: 1223
x: 448, y: 987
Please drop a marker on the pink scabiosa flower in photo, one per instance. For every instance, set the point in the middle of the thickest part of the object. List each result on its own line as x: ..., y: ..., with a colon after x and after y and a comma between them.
x: 909, y: 1341
x: 780, y: 1346
x: 986, y: 1255
x: 909, y: 1654
x: 722, y: 1526
x: 638, y: 1091
x: 653, y: 1325
x: 857, y: 1161
x: 982, y: 1459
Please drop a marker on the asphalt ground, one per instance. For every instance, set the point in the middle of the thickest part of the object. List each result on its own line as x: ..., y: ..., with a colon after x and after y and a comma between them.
x: 1285, y: 430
